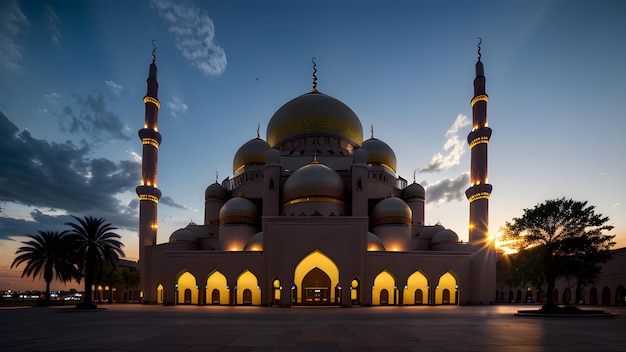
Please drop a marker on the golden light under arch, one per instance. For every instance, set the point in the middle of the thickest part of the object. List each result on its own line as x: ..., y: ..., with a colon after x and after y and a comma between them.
x: 217, y: 281
x: 384, y: 281
x: 448, y: 282
x: 248, y: 281
x: 186, y: 281
x: 316, y: 259
x: 159, y: 290
x: 417, y: 281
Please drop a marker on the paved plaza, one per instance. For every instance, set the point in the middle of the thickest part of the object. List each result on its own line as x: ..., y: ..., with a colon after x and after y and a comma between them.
x: 123, y: 327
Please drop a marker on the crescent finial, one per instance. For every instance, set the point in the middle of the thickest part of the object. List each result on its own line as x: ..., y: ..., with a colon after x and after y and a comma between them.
x: 414, y: 172
x: 153, y: 50
x: 217, y: 176
x: 372, y: 130
x: 314, y: 74
x: 258, y: 130
x: 480, y: 41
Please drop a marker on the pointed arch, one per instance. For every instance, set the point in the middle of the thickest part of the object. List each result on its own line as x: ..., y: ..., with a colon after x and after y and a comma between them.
x: 277, y: 289
x: 384, y: 287
x: 447, y: 289
x: 417, y: 289
x: 355, y: 290
x: 217, y: 291
x: 186, y: 281
x: 248, y: 289
x: 159, y: 295
x: 321, y: 261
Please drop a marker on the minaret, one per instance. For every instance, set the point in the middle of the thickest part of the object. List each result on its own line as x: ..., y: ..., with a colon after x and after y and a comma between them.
x: 483, y: 263
x: 148, y: 192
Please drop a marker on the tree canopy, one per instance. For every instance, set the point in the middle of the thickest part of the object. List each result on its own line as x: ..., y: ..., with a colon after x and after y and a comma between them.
x: 557, y: 238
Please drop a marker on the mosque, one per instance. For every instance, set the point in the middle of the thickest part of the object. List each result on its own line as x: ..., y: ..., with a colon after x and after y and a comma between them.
x: 316, y: 215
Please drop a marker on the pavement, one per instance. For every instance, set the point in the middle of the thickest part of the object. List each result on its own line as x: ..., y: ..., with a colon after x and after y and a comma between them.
x: 135, y: 327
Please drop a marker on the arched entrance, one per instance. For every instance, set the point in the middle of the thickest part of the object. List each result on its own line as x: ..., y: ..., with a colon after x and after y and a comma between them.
x: 187, y: 289
x: 567, y: 296
x: 447, y: 282
x: 159, y: 294
x: 315, y: 279
x: 248, y: 290
x: 384, y: 289
x: 355, y: 291
x: 217, y: 288
x: 416, y: 289
x: 593, y: 296
x: 277, y: 288
x: 316, y: 287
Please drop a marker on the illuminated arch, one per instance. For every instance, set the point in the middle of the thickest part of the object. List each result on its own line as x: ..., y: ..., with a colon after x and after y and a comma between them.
x: 384, y: 282
x: 417, y: 281
x: 277, y: 289
x: 248, y: 281
x: 217, y: 281
x: 447, y: 289
x: 186, y: 281
x: 159, y: 290
x: 316, y: 259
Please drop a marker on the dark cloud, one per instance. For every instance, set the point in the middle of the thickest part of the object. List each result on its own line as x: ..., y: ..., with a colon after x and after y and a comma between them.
x: 91, y: 116
x: 169, y: 201
x: 43, y: 174
x: 448, y: 189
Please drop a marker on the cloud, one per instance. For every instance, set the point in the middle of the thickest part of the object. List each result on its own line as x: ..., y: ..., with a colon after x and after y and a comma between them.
x: 176, y: 107
x: 170, y: 202
x: 52, y: 21
x: 194, y: 35
x: 116, y: 88
x: 447, y: 190
x: 12, y: 22
x: 454, y: 147
x: 41, y: 174
x: 53, y: 97
x: 92, y: 117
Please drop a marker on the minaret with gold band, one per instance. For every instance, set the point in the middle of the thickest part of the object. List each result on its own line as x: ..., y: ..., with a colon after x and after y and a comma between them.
x: 483, y: 262
x: 148, y: 192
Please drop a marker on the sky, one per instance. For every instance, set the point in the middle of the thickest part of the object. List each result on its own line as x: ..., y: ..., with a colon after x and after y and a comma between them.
x: 73, y: 76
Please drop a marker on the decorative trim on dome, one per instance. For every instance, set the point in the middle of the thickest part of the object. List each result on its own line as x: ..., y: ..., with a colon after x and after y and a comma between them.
x: 383, y: 165
x: 237, y: 219
x: 392, y: 220
x: 313, y: 199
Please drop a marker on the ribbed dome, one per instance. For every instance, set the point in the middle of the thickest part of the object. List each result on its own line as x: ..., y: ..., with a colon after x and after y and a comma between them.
x: 238, y: 211
x: 414, y: 190
x: 374, y: 243
x: 183, y: 235
x: 445, y: 236
x: 215, y: 191
x: 251, y: 153
x: 255, y: 243
x: 314, y: 182
x: 314, y: 113
x: 391, y: 211
x: 379, y: 154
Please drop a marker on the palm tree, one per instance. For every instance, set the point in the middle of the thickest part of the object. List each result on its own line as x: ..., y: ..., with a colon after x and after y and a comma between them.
x: 46, y: 255
x: 95, y: 245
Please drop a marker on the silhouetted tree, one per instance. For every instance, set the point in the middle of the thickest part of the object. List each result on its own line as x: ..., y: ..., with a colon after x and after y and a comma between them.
x: 558, y: 238
x: 46, y: 255
x: 95, y: 245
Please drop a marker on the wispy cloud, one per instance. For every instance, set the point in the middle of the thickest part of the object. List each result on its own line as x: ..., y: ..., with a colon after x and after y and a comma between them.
x: 194, y: 35
x: 176, y: 107
x: 53, y: 29
x: 41, y: 174
x: 454, y: 148
x: 91, y: 115
x: 167, y: 200
x: 115, y: 87
x: 447, y: 190
x: 12, y: 22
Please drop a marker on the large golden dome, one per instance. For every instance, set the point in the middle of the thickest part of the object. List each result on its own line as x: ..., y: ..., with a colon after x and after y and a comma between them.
x: 314, y: 182
x: 314, y: 114
x: 379, y: 154
x: 391, y: 211
x: 251, y: 153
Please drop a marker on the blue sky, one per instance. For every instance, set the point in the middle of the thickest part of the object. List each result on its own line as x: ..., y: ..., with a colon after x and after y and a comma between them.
x: 72, y: 80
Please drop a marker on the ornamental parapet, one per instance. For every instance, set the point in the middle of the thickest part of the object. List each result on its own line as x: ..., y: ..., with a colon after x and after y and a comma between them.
x: 148, y: 193
x: 476, y: 192
x: 479, y: 136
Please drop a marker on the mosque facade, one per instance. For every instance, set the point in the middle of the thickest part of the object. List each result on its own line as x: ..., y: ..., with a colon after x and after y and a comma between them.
x: 316, y: 215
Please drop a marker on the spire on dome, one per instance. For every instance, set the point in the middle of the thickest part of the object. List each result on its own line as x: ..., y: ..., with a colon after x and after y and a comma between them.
x: 314, y: 75
x: 480, y: 71
x: 217, y: 176
x: 153, y: 50
x: 258, y: 130
x: 372, y: 130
